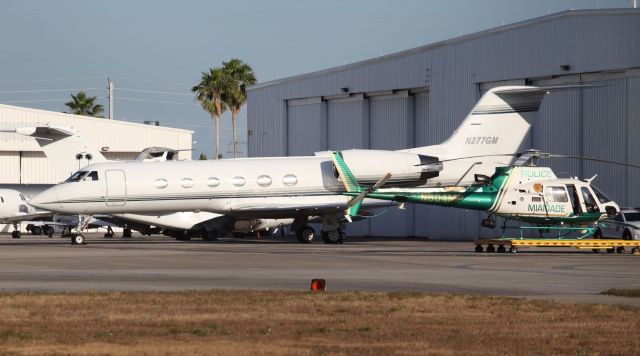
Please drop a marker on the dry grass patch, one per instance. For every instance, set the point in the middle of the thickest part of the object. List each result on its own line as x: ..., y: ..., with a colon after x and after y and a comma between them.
x: 249, y: 322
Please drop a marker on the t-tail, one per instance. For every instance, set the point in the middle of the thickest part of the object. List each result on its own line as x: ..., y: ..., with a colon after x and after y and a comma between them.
x: 492, y: 133
x: 64, y: 147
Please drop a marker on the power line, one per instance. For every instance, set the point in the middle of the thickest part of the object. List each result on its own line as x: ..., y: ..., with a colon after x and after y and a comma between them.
x: 156, y: 81
x: 153, y: 91
x: 212, y: 126
x: 45, y: 90
x: 155, y: 101
x: 40, y: 100
x: 51, y: 80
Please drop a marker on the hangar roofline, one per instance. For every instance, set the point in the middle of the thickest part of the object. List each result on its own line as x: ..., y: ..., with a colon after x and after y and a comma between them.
x: 97, y: 119
x: 448, y: 42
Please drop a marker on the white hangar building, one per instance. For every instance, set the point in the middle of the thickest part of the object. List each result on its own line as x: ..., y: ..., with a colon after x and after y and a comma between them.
x: 22, y: 161
x: 419, y: 96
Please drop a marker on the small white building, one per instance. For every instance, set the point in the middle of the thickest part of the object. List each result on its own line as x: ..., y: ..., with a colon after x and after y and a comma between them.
x: 22, y: 161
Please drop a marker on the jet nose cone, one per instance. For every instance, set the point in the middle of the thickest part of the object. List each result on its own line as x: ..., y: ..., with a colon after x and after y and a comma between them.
x: 45, y: 200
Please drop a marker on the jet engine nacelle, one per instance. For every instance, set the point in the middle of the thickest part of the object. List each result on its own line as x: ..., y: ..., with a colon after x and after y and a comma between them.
x: 368, y: 166
x: 259, y: 224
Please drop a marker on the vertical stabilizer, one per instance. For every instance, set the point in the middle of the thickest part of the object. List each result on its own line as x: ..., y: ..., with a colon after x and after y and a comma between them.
x: 65, y: 148
x: 497, y: 124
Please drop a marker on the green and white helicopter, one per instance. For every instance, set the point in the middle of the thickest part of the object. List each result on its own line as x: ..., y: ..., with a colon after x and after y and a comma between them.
x: 522, y: 192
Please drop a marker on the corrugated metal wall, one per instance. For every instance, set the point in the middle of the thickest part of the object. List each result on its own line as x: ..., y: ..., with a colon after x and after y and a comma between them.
x: 306, y: 126
x: 22, y: 160
x: 598, y: 46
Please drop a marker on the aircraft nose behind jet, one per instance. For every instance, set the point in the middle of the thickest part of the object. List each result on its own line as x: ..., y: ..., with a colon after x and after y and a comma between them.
x: 46, y: 200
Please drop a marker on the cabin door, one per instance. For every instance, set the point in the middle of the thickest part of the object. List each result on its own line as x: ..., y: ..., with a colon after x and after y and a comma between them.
x: 116, y: 187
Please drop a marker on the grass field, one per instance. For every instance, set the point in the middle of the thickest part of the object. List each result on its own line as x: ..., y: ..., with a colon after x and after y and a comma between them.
x: 249, y: 322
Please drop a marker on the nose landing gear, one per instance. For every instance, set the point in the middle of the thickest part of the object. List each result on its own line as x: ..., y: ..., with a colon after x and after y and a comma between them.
x: 77, y: 239
x: 16, y: 234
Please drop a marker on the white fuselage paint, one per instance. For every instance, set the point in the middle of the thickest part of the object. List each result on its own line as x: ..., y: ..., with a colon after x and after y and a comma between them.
x: 264, y: 187
x: 12, y: 206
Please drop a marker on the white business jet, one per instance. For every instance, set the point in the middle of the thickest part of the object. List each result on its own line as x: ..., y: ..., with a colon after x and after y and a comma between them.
x: 68, y: 151
x: 299, y: 187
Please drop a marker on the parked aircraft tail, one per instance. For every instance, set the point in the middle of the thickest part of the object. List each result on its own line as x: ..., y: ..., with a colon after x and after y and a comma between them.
x: 64, y: 146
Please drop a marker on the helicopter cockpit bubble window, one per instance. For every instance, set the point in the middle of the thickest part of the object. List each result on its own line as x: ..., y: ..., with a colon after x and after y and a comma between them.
x: 589, y: 201
x: 76, y: 177
x: 600, y: 195
x: 557, y: 194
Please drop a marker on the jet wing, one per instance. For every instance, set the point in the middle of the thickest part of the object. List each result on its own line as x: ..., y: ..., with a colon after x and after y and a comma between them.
x: 25, y: 217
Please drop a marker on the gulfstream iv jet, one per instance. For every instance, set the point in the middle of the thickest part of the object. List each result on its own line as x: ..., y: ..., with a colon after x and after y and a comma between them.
x: 300, y: 187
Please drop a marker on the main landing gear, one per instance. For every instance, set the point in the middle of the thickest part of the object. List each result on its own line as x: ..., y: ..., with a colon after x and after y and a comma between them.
x: 16, y: 234
x: 332, y: 232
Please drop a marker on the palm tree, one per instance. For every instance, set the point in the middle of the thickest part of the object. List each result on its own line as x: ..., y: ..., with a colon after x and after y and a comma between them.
x: 240, y: 77
x: 209, y: 93
x: 81, y: 104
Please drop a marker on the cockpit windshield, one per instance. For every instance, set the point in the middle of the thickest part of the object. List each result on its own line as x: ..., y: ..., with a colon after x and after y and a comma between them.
x: 82, y: 176
x: 601, y: 196
x: 76, y: 177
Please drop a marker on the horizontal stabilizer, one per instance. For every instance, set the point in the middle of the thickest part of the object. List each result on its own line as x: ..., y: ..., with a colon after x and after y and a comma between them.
x: 64, y: 147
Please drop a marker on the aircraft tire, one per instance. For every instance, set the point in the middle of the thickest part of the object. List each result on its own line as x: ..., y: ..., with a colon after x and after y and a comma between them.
x: 77, y: 239
x: 48, y: 230
x: 209, y: 235
x: 16, y: 234
x: 306, y: 235
x: 331, y: 237
x: 36, y: 230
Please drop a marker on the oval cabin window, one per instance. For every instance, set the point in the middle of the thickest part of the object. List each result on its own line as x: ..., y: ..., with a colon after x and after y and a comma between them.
x: 238, y: 181
x: 289, y: 180
x: 161, y: 183
x: 264, y: 181
x: 186, y: 182
x: 213, y: 182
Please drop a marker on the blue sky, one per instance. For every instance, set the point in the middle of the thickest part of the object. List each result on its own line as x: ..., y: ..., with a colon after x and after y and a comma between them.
x: 148, y: 47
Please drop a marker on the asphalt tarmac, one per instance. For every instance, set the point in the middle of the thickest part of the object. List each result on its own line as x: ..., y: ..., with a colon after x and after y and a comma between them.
x: 394, y: 264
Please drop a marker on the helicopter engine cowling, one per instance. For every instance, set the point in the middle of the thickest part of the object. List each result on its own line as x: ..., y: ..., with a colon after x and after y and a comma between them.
x: 369, y: 166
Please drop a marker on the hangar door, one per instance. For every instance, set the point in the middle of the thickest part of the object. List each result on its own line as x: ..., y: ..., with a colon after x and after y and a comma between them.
x: 348, y: 122
x: 306, y: 126
x: 599, y: 121
x: 348, y: 128
x: 392, y: 128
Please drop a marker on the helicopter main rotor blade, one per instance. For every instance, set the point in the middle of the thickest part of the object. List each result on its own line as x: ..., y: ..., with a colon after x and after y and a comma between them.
x: 364, y: 194
x: 468, y: 157
x: 592, y: 159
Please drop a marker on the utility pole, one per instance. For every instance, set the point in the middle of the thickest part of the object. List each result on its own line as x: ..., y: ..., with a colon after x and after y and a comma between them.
x: 110, y: 99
